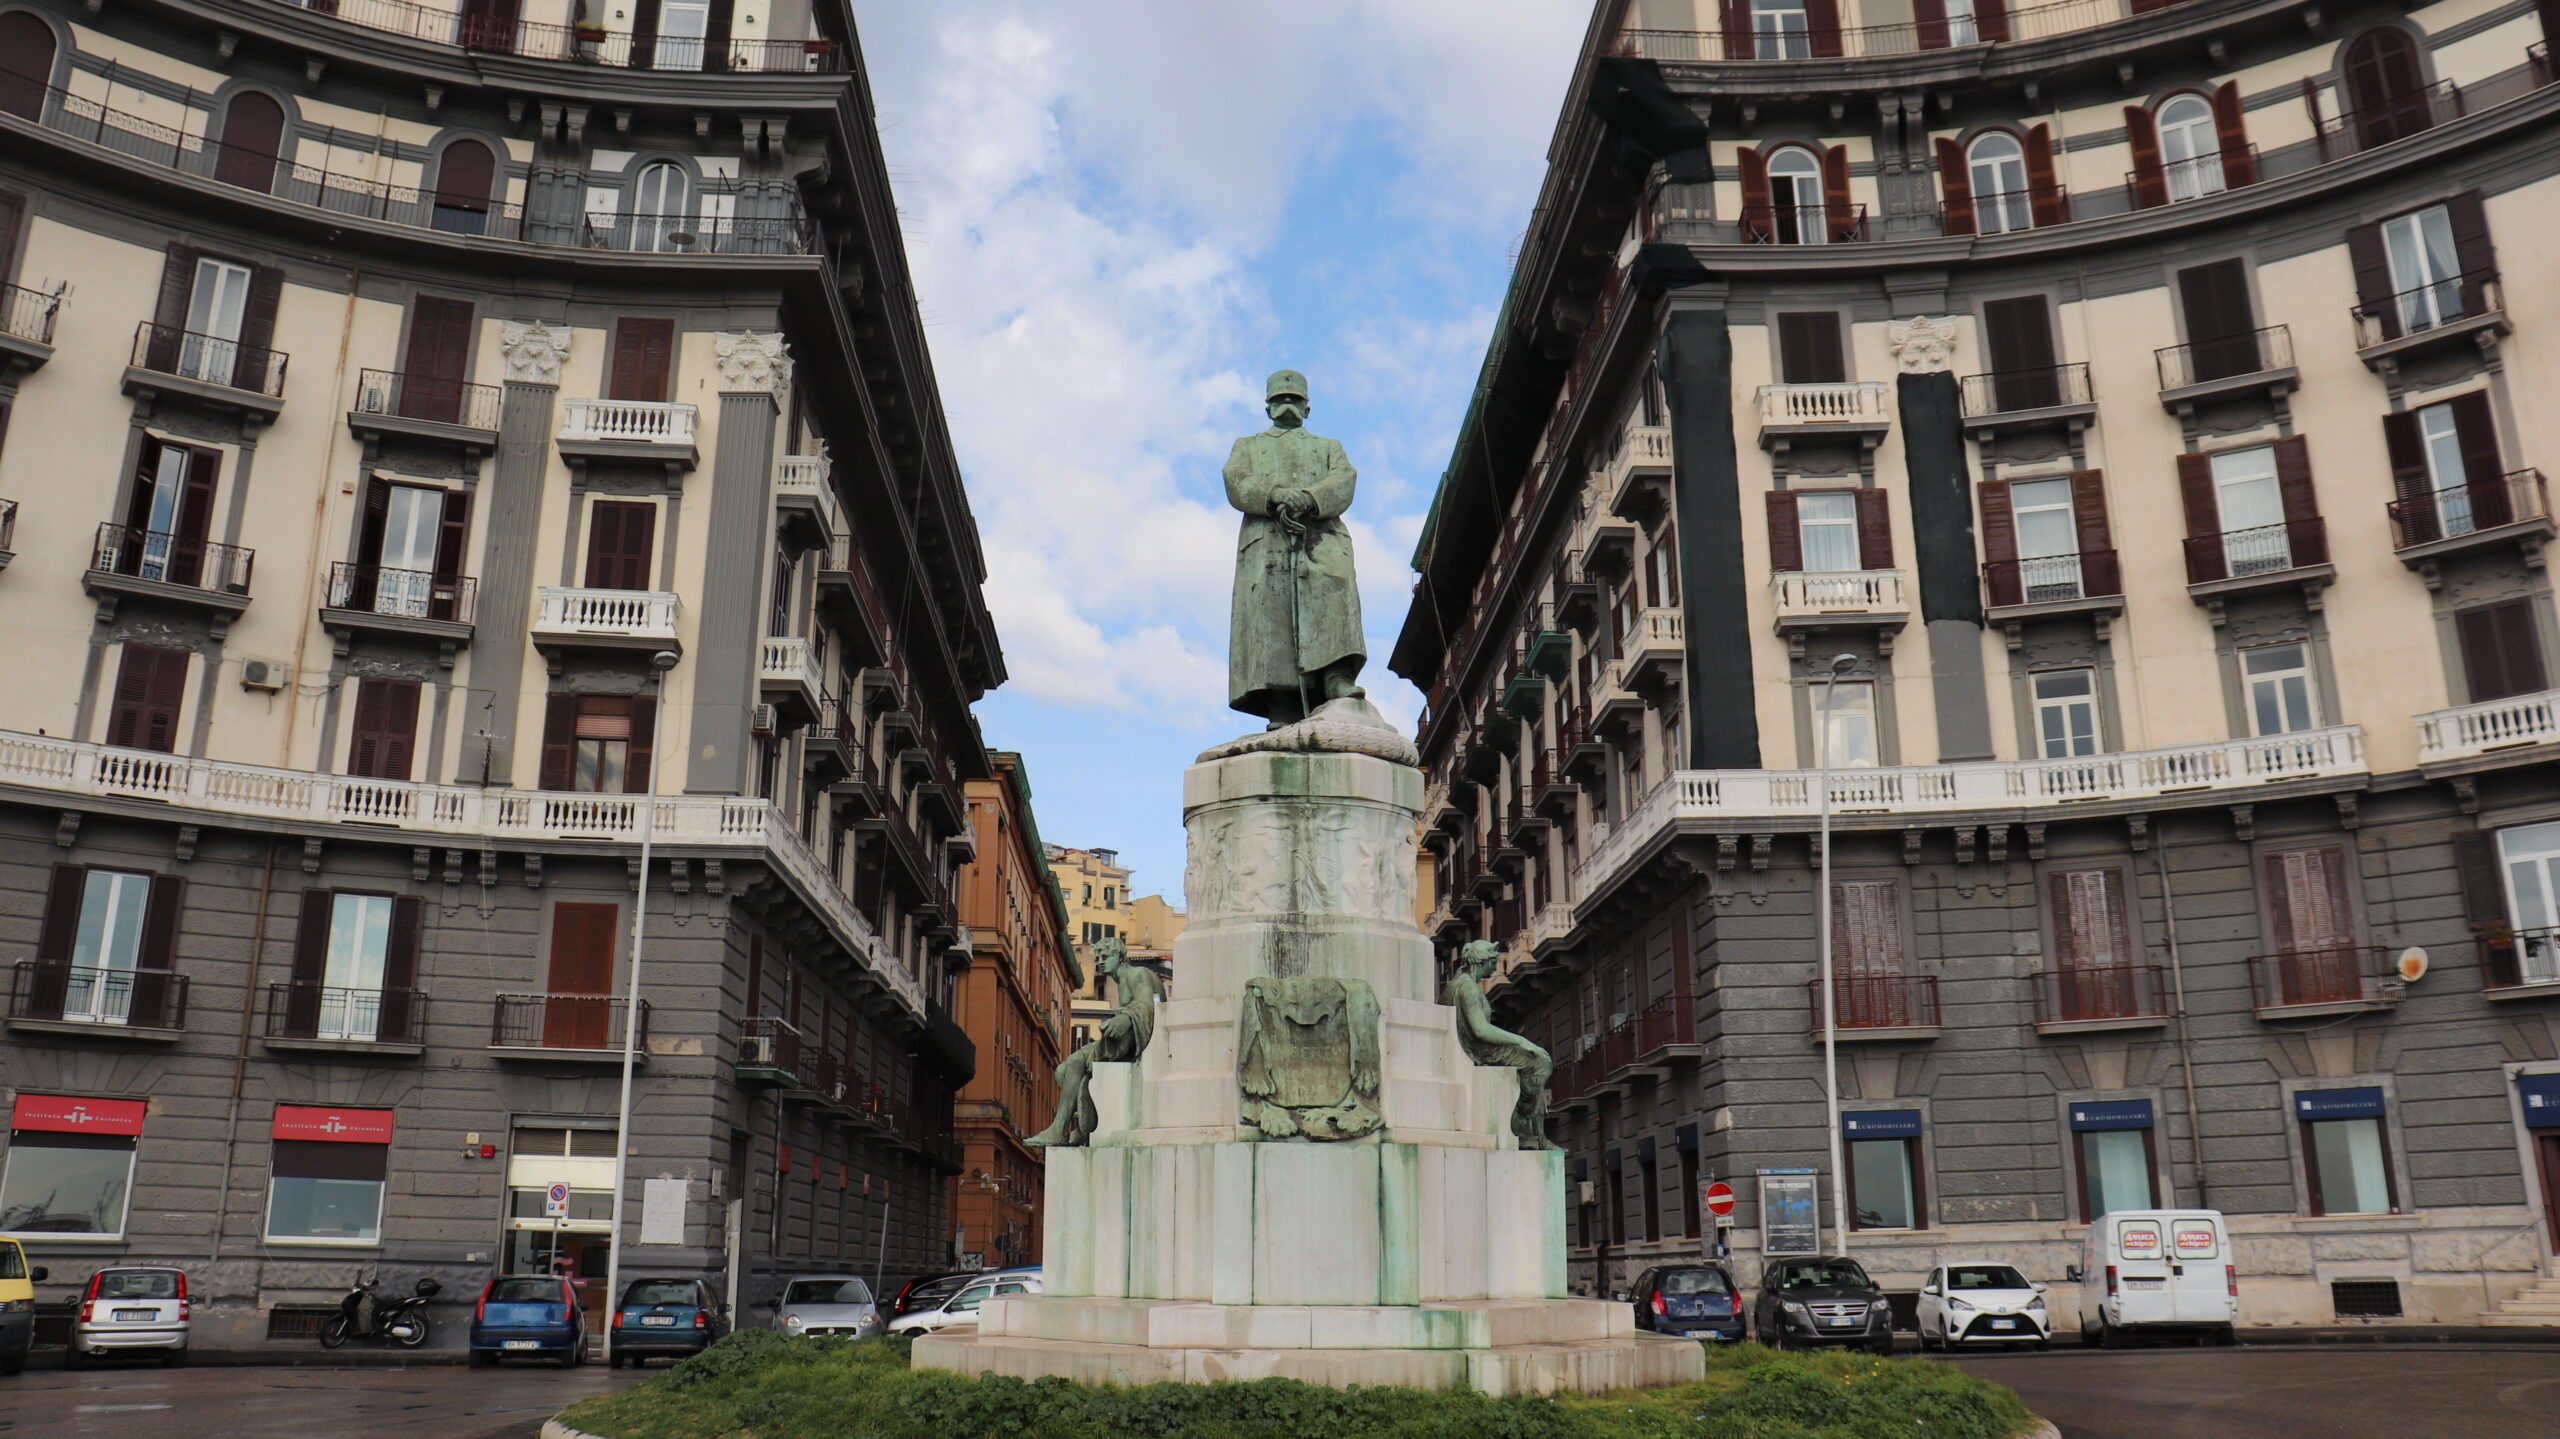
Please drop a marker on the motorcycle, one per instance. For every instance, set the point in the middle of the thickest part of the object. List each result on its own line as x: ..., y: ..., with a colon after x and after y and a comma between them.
x: 366, y: 1313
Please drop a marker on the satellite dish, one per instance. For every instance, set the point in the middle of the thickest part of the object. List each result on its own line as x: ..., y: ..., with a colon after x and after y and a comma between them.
x: 2413, y: 964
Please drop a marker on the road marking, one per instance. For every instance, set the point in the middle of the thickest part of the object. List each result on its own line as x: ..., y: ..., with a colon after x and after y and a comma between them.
x: 116, y: 1408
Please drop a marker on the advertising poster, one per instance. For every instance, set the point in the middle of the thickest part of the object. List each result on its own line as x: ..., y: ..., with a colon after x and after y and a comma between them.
x: 1790, y: 1213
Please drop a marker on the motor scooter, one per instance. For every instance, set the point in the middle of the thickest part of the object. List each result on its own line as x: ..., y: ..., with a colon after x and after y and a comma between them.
x: 368, y: 1314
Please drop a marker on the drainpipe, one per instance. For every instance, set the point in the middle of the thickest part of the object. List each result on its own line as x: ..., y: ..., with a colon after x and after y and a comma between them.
x: 240, y: 1056
x: 2178, y: 989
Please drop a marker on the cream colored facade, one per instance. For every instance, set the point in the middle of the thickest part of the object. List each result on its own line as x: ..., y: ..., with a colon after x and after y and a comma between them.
x: 1095, y: 886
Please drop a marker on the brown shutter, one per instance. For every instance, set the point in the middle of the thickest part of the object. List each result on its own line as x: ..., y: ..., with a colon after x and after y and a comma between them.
x: 2098, y: 574
x: 2018, y: 333
x: 1837, y: 213
x: 2483, y: 468
x: 755, y: 976
x: 2204, y: 519
x: 150, y: 687
x: 2231, y: 136
x: 2308, y: 899
x: 466, y: 176
x: 559, y: 741
x: 1991, y: 20
x: 715, y: 40
x: 621, y: 541
x: 367, y: 581
x: 169, y: 321
x: 257, y: 328
x: 582, y: 944
x: 1738, y: 41
x: 158, y: 954
x: 364, y: 738
x: 1875, y: 530
x: 2310, y: 539
x: 1956, y: 188
x: 2500, y: 653
x: 1758, y: 225
x: 396, y: 1022
x: 453, y: 537
x: 2469, y: 222
x: 1822, y: 26
x: 1809, y: 349
x: 644, y: 732
x: 2044, y: 194
x: 2410, y: 483
x: 385, y: 730
x: 1786, y: 541
x: 1866, y: 925
x: 252, y: 142
x: 2000, y: 544
x: 2150, y: 178
x: 644, y: 40
x: 310, y: 962
x: 2373, y: 278
x: 439, y: 358
x: 195, y: 522
x: 57, y: 939
x: 2221, y: 331
x: 1667, y: 544
x: 1932, y: 18
x: 2475, y: 864
x: 643, y: 358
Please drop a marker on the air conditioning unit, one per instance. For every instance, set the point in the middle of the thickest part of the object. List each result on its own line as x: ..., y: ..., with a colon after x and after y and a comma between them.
x: 1589, y: 1196
x: 268, y: 675
x: 757, y: 1052
x: 1618, y: 1020
x: 762, y: 721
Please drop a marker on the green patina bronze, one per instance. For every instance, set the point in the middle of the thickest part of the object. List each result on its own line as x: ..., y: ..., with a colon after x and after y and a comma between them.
x: 1293, y: 642
x: 1124, y: 1036
x: 1490, y: 1044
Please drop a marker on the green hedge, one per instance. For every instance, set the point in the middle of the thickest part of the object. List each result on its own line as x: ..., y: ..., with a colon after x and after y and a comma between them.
x: 757, y: 1384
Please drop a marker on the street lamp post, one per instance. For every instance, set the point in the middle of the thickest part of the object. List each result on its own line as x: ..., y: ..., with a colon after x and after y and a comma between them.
x: 663, y: 661
x: 1830, y: 980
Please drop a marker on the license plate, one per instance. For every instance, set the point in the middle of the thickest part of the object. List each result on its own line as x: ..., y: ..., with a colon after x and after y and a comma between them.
x: 1840, y: 1321
x: 524, y: 1344
x: 136, y: 1316
x: 2146, y: 1284
x: 661, y: 1320
x: 2004, y: 1323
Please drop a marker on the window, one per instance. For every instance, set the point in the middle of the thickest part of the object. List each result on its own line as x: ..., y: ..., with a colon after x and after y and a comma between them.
x: 2066, y: 712
x: 2278, y: 681
x: 661, y: 202
x: 2440, y: 442
x: 2426, y: 271
x: 1110, y: 897
x: 150, y: 685
x: 108, y: 947
x: 1616, y: 1189
x: 1690, y: 1218
x: 66, y: 1183
x: 2529, y: 862
x: 26, y: 64
x: 168, y: 516
x: 621, y: 544
x: 1884, y: 1169
x: 2387, y: 97
x: 329, y: 1193
x: 2222, y: 326
x: 1845, y: 716
x: 2190, y: 147
x: 2048, y: 539
x: 2112, y: 1140
x: 1996, y: 170
x: 359, y: 940
x: 252, y: 141
x: 1960, y: 27
x: 1795, y: 195
x: 2501, y: 651
x: 682, y: 26
x: 411, y: 533
x: 643, y: 360
x: 2344, y: 1150
x: 466, y: 178
x: 1779, y: 30
x: 1809, y: 349
x: 216, y: 310
x: 1828, y: 522
x: 1650, y: 1176
x: 2018, y: 333
x: 598, y: 744
x: 384, y: 731
x: 2246, y: 496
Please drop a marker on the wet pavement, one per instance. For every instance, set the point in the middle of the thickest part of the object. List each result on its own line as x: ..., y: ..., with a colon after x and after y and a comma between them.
x: 445, y: 1401
x: 2363, y: 1392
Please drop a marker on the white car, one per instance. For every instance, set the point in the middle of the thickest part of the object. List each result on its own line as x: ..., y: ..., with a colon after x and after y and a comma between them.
x: 961, y: 1309
x: 1982, y: 1304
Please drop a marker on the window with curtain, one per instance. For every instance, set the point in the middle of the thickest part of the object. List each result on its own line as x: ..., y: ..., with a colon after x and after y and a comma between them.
x: 1847, y: 724
x: 326, y: 1192
x: 1795, y: 195
x: 2350, y: 1166
x: 2255, y: 539
x: 2426, y: 270
x: 2048, y: 539
x: 1996, y: 168
x: 2190, y: 147
x: 1828, y: 522
x: 108, y: 947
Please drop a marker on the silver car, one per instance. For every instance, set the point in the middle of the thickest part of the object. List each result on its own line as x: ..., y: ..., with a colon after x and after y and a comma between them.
x: 827, y: 1304
x: 131, y: 1311
x: 961, y: 1309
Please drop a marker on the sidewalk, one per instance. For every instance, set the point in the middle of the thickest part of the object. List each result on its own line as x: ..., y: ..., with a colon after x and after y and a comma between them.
x: 2398, y: 1334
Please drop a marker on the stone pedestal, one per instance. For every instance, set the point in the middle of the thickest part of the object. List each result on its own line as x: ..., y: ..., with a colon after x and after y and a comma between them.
x: 1186, y: 1244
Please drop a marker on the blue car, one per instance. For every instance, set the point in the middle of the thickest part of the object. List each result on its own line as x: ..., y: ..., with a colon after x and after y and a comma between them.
x: 1699, y: 1301
x: 664, y: 1319
x: 532, y: 1316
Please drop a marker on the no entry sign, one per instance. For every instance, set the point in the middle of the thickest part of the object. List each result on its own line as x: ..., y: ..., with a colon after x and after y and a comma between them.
x: 1720, y: 1199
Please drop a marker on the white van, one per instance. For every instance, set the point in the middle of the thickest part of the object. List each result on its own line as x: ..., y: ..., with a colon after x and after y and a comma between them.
x: 2157, y: 1270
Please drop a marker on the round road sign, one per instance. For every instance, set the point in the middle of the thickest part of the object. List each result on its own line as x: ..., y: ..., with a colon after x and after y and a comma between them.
x: 1720, y: 1199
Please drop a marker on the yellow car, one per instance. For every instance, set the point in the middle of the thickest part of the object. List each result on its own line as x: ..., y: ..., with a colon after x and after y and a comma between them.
x: 17, y: 1306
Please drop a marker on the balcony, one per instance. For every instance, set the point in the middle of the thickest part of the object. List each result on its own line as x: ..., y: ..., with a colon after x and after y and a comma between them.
x: 8, y: 532
x: 2177, y: 181
x: 1577, y: 594
x: 322, y: 1019
x: 787, y: 677
x: 581, y: 1028
x: 1879, y: 1006
x: 368, y: 599
x: 1581, y: 753
x: 1550, y: 925
x: 2468, y: 309
x: 2520, y: 964
x: 628, y: 429
x: 1783, y: 42
x: 2352, y: 132
x: 1856, y: 410
x: 1840, y: 599
x: 2261, y: 557
x: 26, y: 326
x: 2501, y: 510
x: 1655, y: 651
x: 1801, y: 225
x: 2468, y: 731
x: 427, y: 407
x: 1638, y: 478
x: 492, y: 34
x: 1664, y: 1036
x: 2040, y: 585
x: 1551, y: 792
x: 2226, y: 367
x: 2008, y: 400
x: 53, y: 997
x: 157, y: 565
x: 804, y: 501
x: 606, y: 619
x: 209, y: 369
x: 2124, y: 996
x: 829, y: 746
x: 769, y: 1053
x: 2305, y: 983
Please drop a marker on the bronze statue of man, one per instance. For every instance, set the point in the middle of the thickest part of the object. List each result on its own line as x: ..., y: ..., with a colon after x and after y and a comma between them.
x: 1123, y: 1038
x: 1491, y: 1045
x: 1293, y: 642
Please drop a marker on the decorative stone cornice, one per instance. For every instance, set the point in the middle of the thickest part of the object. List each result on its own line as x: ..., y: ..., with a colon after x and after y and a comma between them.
x: 535, y: 350
x: 752, y: 362
x: 1923, y: 345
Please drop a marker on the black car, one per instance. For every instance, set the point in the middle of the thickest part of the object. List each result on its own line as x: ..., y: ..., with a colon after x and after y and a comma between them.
x: 927, y: 1292
x: 1826, y: 1301
x: 1698, y: 1301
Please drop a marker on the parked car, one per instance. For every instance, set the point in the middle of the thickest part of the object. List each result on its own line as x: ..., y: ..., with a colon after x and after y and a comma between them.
x: 664, y: 1319
x: 528, y: 1315
x: 17, y: 1306
x: 827, y: 1304
x: 927, y: 1291
x: 1825, y: 1301
x: 142, y: 1309
x: 2157, y: 1271
x: 1697, y: 1300
x: 1982, y: 1304
x: 961, y: 1309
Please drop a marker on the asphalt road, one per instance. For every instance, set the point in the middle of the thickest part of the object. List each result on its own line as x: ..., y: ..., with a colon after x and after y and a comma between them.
x: 2326, y: 1392
x: 445, y: 1401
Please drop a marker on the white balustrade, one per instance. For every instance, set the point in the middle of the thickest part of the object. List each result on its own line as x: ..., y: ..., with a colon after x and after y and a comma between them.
x: 1825, y: 592
x: 2468, y: 730
x: 810, y: 478
x: 787, y: 659
x: 1655, y: 628
x: 1849, y: 402
x: 632, y: 614
x: 643, y: 422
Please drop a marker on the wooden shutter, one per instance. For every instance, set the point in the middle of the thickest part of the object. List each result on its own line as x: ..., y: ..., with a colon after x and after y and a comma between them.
x: 2088, y: 919
x: 1875, y: 530
x: 195, y: 521
x: 13, y: 210
x: 1667, y: 546
x: 438, y: 360
x: 1838, y: 214
x: 2150, y: 177
x: 2410, y: 483
x: 2310, y: 539
x: 621, y: 541
x: 385, y: 730
x: 643, y: 358
x: 2204, y: 519
x: 559, y: 741
x: 755, y: 978
x: 2019, y: 335
x: 715, y: 40
x: 26, y: 65
x: 1786, y: 538
x: 644, y: 36
x: 1809, y: 349
x: 2221, y: 330
x: 150, y: 686
x: 1822, y: 26
x: 2483, y: 468
x: 397, y: 1021
x: 644, y: 734
x: 157, y: 956
x: 2500, y: 652
x: 57, y: 939
x: 2098, y: 574
x: 310, y: 962
x: 2000, y: 544
x: 2475, y: 864
x: 453, y: 537
x: 169, y: 320
x: 466, y: 173
x: 1931, y: 17
x: 579, y: 1013
x: 257, y: 328
x: 2469, y: 222
x: 2231, y: 136
x: 1738, y: 41
x: 2309, y: 898
x: 2372, y: 265
x: 2045, y: 196
x: 252, y: 141
x: 1759, y: 226
x: 1955, y: 187
x: 1991, y: 20
x: 1866, y: 928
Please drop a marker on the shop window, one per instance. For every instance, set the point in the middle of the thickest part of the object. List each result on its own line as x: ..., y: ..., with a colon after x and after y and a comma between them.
x: 1885, y: 1186
x: 2112, y: 1141
x: 70, y: 1166
x: 2345, y: 1151
x: 329, y: 1167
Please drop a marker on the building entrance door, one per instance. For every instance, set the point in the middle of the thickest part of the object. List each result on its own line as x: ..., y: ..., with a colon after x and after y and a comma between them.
x: 2546, y: 1149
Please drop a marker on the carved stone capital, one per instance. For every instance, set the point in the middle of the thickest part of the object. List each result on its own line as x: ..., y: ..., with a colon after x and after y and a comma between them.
x: 752, y: 362
x: 534, y: 350
x: 1924, y: 344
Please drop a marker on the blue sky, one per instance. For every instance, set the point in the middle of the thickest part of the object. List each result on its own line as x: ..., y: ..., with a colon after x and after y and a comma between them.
x: 1121, y: 215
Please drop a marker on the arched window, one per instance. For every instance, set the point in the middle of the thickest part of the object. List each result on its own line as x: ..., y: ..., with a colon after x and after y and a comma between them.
x: 466, y: 182
x: 2190, y: 148
x: 661, y: 207
x: 1996, y: 165
x: 1795, y: 196
x: 26, y: 64
x: 252, y: 140
x: 2386, y: 88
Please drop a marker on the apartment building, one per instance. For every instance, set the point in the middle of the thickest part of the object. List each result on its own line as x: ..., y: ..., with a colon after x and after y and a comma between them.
x: 449, y: 455
x: 1102, y: 905
x: 1013, y: 1002
x: 2104, y: 433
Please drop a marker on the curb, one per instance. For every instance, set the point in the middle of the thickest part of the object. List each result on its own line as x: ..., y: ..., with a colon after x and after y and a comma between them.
x: 554, y: 1429
x: 2411, y: 1334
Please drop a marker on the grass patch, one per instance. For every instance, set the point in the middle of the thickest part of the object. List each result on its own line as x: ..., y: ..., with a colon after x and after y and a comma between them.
x: 757, y: 1384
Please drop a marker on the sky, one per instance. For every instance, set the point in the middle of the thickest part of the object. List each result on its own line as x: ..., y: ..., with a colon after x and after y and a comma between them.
x: 1121, y: 216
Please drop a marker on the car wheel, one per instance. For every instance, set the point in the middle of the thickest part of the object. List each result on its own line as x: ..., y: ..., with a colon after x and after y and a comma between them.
x: 1926, y: 1342
x: 1883, y: 1346
x: 173, y: 1359
x: 612, y: 1360
x: 14, y: 1364
x: 2044, y: 1342
x: 2109, y: 1336
x: 74, y: 1358
x: 483, y: 1359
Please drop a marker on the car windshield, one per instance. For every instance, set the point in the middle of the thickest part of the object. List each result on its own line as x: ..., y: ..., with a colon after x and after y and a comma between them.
x: 942, y: 1288
x: 138, y: 1284
x: 1816, y: 1273
x: 1694, y: 1281
x: 969, y: 1298
x: 13, y: 1261
x: 660, y: 1291
x: 525, y: 1291
x: 827, y: 1291
x: 1984, y: 1276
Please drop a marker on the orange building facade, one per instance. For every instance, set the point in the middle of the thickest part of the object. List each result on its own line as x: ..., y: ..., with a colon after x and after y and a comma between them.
x: 1013, y: 1001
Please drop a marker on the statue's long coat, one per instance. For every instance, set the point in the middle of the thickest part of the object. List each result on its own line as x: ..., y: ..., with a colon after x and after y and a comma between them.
x: 1264, y: 659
